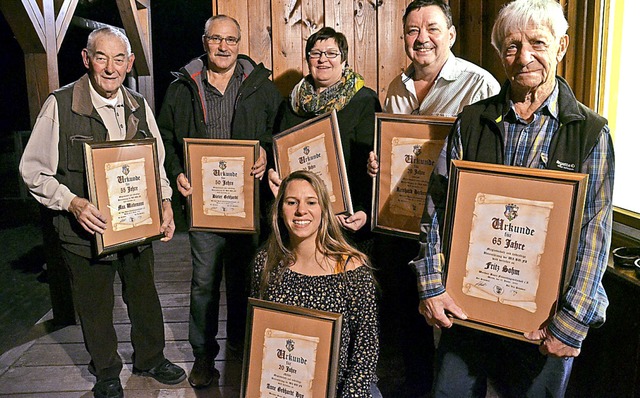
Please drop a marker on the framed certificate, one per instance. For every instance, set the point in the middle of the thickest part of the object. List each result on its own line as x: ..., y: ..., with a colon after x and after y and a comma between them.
x: 290, y: 351
x: 510, y: 243
x: 407, y: 147
x: 225, y: 194
x: 315, y: 146
x: 124, y: 184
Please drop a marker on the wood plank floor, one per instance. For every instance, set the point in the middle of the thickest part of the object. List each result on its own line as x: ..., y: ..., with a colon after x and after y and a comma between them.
x: 53, y: 363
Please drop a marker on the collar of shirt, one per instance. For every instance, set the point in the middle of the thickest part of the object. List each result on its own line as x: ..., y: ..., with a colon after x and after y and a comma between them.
x: 448, y: 71
x: 549, y: 106
x: 238, y: 73
x: 99, y: 101
x: 112, y: 113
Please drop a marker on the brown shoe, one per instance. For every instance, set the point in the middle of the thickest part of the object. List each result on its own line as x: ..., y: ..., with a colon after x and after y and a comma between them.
x: 203, y: 372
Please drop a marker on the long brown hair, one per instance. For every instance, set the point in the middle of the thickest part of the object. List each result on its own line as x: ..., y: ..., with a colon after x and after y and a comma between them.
x: 330, y: 241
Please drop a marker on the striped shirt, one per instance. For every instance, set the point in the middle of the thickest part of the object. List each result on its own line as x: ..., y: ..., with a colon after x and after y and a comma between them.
x: 527, y: 145
x: 221, y: 106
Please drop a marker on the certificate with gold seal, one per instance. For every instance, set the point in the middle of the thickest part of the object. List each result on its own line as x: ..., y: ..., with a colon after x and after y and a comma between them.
x: 123, y: 181
x: 225, y: 194
x: 510, y: 243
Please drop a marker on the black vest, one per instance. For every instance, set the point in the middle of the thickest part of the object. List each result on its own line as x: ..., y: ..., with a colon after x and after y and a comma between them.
x: 80, y: 123
x: 482, y: 131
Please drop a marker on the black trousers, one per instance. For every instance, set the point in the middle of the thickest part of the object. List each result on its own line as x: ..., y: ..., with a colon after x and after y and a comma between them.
x: 399, y: 316
x: 92, y: 285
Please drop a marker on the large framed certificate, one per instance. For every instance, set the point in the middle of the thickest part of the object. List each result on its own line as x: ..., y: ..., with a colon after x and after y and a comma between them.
x: 290, y: 351
x: 315, y: 146
x: 225, y: 194
x: 407, y: 147
x: 510, y: 243
x: 124, y: 184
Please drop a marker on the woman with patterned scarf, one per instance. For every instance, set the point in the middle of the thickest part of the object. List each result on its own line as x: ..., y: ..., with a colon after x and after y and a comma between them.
x: 332, y: 85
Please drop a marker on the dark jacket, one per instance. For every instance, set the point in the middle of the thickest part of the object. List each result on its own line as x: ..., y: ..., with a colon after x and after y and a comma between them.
x: 579, y: 130
x: 183, y: 110
x: 80, y: 123
x: 357, y: 124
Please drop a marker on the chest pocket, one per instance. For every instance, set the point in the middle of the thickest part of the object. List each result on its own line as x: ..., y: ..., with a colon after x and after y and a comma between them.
x: 75, y: 151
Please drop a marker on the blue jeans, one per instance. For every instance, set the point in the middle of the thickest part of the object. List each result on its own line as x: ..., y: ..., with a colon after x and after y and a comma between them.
x: 211, y: 254
x: 467, y: 357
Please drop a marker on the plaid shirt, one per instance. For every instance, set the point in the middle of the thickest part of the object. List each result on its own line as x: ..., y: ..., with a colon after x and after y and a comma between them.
x: 527, y: 145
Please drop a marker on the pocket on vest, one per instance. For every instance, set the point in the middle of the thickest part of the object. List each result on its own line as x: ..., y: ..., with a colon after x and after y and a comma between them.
x: 75, y: 152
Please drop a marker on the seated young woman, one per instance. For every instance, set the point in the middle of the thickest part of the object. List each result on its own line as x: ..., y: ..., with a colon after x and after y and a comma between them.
x: 308, y: 263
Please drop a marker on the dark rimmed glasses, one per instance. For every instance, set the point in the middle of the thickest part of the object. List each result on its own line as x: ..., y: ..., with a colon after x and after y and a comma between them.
x: 316, y: 54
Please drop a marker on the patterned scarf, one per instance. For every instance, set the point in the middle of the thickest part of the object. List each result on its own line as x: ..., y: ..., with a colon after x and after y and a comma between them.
x: 307, y: 102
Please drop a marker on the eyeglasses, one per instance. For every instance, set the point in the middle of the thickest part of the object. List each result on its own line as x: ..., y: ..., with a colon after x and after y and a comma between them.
x: 230, y: 40
x: 316, y: 54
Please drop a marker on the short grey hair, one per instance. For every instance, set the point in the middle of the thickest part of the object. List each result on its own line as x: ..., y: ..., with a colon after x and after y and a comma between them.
x: 519, y: 14
x: 221, y: 17
x: 107, y: 31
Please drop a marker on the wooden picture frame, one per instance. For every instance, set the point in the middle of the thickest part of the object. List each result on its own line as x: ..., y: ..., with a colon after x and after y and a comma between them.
x: 225, y: 196
x: 510, y: 243
x: 407, y: 147
x: 315, y: 145
x: 123, y: 181
x: 291, y: 348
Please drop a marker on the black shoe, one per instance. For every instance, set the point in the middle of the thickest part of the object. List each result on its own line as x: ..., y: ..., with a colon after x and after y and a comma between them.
x: 165, y: 373
x: 109, y: 388
x: 203, y: 372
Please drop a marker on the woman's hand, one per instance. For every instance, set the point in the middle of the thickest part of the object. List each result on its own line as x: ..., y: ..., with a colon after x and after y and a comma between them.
x: 354, y: 222
x: 260, y: 166
x: 372, y: 165
x: 274, y: 181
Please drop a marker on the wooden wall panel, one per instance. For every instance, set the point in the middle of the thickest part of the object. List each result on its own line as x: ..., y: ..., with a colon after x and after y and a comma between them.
x: 275, y: 32
x: 238, y: 9
x: 339, y: 15
x: 365, y: 42
x: 259, y: 33
x: 312, y: 19
x: 286, y: 16
x: 392, y: 59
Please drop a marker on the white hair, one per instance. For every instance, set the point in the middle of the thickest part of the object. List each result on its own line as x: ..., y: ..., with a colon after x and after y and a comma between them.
x: 108, y: 31
x: 520, y: 14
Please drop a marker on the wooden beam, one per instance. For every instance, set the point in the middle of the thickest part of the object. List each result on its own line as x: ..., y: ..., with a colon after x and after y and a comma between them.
x: 40, y: 36
x: 27, y: 23
x: 51, y: 46
x: 136, y: 19
x: 65, y: 13
x: 138, y: 30
x: 37, y: 82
